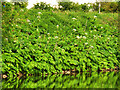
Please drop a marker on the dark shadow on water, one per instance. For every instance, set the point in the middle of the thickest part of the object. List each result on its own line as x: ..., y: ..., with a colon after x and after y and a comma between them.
x: 80, y: 80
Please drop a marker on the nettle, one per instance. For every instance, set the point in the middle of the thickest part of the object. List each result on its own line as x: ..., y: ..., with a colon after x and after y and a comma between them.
x: 33, y: 44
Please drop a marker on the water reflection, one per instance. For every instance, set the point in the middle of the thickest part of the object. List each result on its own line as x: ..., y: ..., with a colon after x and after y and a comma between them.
x: 83, y: 80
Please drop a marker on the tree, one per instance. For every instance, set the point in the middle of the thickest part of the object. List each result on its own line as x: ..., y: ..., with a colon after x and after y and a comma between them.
x: 65, y: 5
x: 20, y: 4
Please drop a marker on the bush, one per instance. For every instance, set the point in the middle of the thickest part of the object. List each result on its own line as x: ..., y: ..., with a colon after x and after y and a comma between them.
x: 42, y: 6
x: 21, y: 4
x: 69, y: 6
x: 110, y: 6
x: 6, y: 6
x: 76, y: 7
x: 84, y: 7
x: 65, y: 5
x: 106, y: 6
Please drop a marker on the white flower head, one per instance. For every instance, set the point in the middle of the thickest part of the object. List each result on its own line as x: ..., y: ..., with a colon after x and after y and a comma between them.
x: 18, y: 18
x: 94, y: 36
x: 60, y: 6
x: 78, y: 37
x: 92, y: 47
x: 90, y: 10
x: 74, y: 29
x: 39, y: 13
x: 33, y: 49
x: 48, y: 33
x: 101, y: 27
x: 38, y: 16
x: 21, y: 10
x: 30, y: 23
x: 94, y: 26
x: 86, y: 43
x: 57, y: 26
x: 63, y: 50
x: 6, y: 38
x: 16, y: 25
x: 37, y: 29
x: 95, y: 30
x: 55, y: 6
x: 75, y: 44
x: 74, y: 18
x: 28, y: 20
x: 56, y: 36
x: 49, y: 37
x: 95, y: 16
x: 85, y: 33
x: 84, y: 37
x: 88, y: 5
x: 108, y: 38
x: 91, y: 31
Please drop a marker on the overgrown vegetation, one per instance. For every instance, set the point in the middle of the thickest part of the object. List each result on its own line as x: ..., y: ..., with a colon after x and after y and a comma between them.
x: 41, y: 41
x: 105, y: 6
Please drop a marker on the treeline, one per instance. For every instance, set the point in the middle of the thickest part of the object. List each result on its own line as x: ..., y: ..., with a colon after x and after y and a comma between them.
x: 86, y: 7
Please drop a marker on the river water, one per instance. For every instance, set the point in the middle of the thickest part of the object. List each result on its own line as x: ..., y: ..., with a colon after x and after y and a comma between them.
x: 80, y: 80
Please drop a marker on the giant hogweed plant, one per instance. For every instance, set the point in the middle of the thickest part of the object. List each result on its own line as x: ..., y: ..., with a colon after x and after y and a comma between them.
x: 34, y: 43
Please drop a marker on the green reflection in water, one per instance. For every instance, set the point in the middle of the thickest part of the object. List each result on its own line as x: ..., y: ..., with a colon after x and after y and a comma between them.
x: 83, y: 80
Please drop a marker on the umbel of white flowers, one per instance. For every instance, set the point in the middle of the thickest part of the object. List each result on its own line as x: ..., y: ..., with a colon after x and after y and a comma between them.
x: 39, y: 13
x: 57, y: 26
x: 74, y: 29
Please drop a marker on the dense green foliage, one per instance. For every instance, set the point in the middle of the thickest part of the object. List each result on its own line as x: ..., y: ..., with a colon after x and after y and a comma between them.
x: 69, y: 6
x: 105, y: 6
x: 85, y: 80
x: 39, y: 41
x: 42, y: 6
x: 16, y: 5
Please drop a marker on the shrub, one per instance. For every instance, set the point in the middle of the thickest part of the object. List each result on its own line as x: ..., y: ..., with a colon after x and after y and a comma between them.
x: 42, y: 6
x: 106, y: 6
x: 21, y: 4
x: 6, y: 6
x: 65, y: 5
x: 84, y: 7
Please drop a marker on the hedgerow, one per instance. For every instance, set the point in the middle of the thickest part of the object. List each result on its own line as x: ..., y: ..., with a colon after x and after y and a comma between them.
x: 39, y: 41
